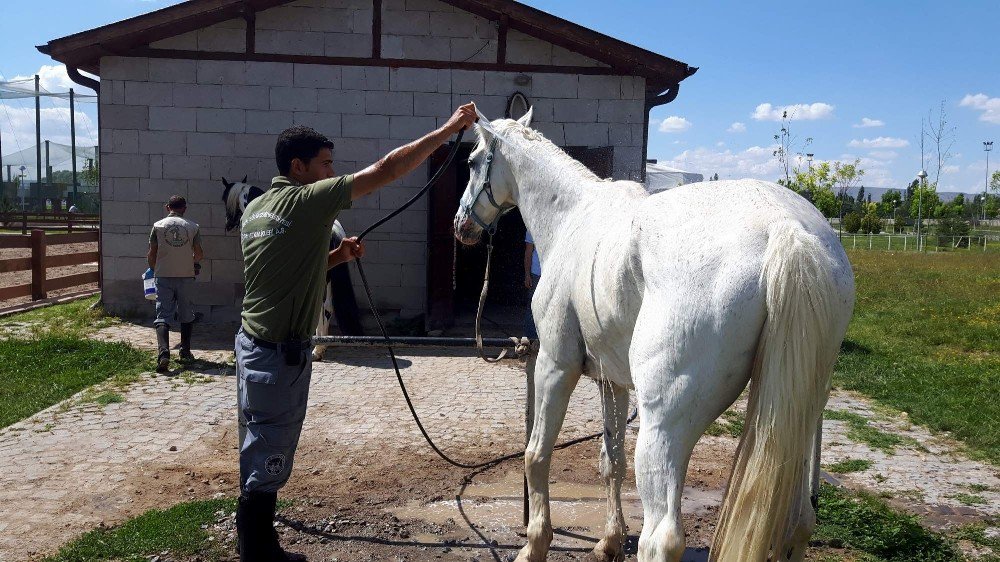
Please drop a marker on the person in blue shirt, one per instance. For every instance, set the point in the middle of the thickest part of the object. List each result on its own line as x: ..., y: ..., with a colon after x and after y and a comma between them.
x: 532, y: 273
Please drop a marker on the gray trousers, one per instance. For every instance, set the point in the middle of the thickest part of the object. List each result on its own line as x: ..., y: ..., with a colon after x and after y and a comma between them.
x: 173, y: 300
x: 271, y: 398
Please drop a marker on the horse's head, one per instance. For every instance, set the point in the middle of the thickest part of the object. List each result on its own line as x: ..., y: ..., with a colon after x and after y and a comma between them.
x: 492, y: 189
x: 236, y: 197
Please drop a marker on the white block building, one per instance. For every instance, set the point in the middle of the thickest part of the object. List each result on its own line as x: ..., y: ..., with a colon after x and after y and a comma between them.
x: 199, y: 91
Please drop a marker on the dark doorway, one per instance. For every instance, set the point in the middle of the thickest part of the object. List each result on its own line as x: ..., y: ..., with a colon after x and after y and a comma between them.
x: 455, y: 272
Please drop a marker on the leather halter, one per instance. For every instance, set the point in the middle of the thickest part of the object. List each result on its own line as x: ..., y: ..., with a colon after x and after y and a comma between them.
x: 487, y: 187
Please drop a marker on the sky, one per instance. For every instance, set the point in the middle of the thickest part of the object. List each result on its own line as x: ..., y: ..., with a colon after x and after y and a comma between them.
x: 857, y: 77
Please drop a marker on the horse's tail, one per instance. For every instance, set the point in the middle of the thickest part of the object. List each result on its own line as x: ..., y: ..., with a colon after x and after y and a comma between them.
x: 788, y: 390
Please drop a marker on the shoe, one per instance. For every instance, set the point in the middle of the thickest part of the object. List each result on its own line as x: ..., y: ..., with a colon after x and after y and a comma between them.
x: 185, y: 353
x: 162, y: 348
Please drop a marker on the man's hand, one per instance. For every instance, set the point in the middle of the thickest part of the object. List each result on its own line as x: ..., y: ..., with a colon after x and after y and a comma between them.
x: 528, y: 281
x: 463, y: 118
x: 349, y: 249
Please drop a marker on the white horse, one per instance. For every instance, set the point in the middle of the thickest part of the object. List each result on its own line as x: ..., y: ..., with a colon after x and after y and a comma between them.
x: 684, y: 296
x: 338, y: 299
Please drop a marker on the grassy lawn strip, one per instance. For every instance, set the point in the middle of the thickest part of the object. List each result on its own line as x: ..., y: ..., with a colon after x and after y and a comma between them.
x: 925, y: 339
x: 46, y: 358
x: 849, y: 465
x: 866, y: 524
x: 43, y: 371
x: 177, y: 530
x: 860, y: 431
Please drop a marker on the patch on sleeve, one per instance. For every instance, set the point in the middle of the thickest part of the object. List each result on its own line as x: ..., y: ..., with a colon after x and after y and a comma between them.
x: 274, y: 464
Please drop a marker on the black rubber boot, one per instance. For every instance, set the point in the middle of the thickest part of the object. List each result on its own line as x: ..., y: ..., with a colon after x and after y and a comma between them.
x: 185, y: 353
x: 162, y: 348
x: 257, y: 540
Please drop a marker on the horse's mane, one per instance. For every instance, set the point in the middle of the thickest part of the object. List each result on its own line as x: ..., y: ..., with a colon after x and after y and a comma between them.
x: 534, y: 142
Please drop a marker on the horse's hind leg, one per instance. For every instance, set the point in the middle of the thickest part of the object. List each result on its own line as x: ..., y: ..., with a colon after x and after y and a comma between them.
x: 553, y: 386
x: 615, y: 407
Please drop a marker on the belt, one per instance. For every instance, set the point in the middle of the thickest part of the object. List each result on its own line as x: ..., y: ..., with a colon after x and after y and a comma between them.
x: 274, y: 346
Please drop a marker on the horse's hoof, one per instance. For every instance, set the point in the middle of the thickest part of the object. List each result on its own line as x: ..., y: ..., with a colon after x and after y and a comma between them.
x: 606, y: 551
x: 526, y: 555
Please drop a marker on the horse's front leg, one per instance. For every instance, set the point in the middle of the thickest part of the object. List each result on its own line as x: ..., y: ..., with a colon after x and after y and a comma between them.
x: 554, y: 383
x: 615, y: 406
x: 323, y: 325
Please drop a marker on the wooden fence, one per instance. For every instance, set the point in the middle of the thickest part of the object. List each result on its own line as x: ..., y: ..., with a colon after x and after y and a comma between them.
x: 49, y: 221
x: 39, y: 263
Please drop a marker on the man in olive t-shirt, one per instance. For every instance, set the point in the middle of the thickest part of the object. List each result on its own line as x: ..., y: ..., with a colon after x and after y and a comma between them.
x: 285, y: 239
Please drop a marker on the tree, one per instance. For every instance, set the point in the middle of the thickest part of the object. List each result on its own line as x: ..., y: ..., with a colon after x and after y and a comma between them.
x: 852, y: 222
x: 890, y: 200
x: 942, y: 138
x: 859, y: 203
x: 871, y: 223
x: 816, y: 185
x: 845, y: 177
x: 925, y: 201
x: 785, y: 140
x: 995, y: 182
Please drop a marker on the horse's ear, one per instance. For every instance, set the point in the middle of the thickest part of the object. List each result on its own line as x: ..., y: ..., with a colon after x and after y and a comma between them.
x: 525, y: 119
x: 225, y: 182
x: 244, y: 179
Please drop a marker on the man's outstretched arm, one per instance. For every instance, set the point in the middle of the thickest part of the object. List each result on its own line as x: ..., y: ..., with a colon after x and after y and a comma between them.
x: 407, y: 158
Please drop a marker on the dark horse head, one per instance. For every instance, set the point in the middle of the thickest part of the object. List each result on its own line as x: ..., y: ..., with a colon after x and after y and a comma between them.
x: 236, y: 197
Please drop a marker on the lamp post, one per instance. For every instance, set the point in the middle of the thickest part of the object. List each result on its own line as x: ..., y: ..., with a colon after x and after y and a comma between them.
x: 809, y: 158
x: 923, y: 182
x: 987, y: 147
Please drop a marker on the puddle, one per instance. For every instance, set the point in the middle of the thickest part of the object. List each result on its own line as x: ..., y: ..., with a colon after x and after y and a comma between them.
x: 578, y: 510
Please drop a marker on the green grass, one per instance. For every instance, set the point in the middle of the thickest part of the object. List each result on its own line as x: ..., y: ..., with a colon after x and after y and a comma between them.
x: 866, y: 524
x: 48, y: 359
x: 731, y: 424
x: 43, y: 371
x: 969, y: 499
x: 177, y: 530
x: 861, y: 431
x: 850, y: 465
x: 925, y: 339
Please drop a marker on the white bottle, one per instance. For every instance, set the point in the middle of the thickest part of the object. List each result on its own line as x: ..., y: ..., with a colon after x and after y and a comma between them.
x: 149, y: 285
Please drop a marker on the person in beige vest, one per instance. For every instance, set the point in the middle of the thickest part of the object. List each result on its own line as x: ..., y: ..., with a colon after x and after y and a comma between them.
x: 174, y: 256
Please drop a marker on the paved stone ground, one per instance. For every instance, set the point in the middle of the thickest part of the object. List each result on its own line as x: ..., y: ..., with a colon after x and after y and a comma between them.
x: 77, y: 465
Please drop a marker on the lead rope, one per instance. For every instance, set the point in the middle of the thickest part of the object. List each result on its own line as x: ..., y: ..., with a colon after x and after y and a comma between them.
x: 482, y: 304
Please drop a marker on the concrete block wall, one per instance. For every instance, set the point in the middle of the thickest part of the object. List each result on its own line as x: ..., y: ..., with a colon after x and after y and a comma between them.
x: 228, y: 36
x: 433, y: 30
x: 179, y: 126
x: 332, y: 28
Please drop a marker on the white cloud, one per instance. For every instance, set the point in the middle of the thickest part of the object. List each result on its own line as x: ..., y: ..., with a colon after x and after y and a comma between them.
x: 797, y: 112
x: 879, y: 142
x: 989, y: 106
x: 737, y: 127
x: 884, y: 154
x: 720, y: 144
x: 868, y: 123
x: 754, y: 162
x: 674, y: 124
x: 758, y: 162
x: 54, y: 79
x: 950, y: 169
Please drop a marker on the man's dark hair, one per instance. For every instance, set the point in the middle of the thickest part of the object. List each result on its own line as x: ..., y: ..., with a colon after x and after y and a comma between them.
x: 299, y: 142
x: 176, y: 202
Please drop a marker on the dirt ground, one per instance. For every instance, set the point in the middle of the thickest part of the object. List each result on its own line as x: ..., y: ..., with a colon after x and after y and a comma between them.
x: 408, y: 505
x: 21, y: 277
